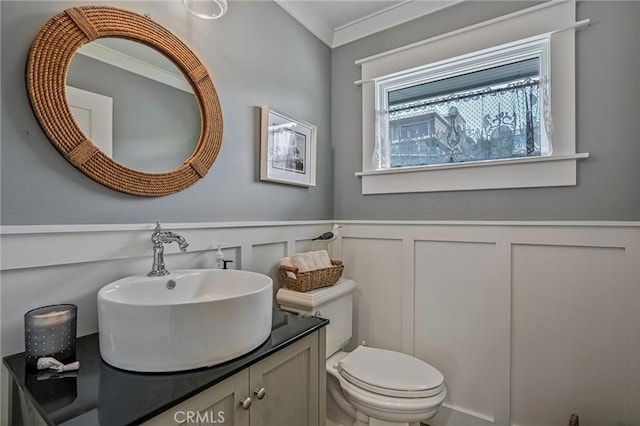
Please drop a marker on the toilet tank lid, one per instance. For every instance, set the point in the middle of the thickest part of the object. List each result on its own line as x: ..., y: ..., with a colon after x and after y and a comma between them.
x: 310, y: 300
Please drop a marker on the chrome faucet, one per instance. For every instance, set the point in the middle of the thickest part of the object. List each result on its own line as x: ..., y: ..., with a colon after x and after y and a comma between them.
x: 159, y: 239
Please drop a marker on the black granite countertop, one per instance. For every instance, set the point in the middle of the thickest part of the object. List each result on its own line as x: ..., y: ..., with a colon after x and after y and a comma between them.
x: 99, y: 394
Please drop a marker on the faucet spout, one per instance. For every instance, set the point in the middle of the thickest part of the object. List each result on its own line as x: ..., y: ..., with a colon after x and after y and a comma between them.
x: 159, y: 238
x: 165, y: 237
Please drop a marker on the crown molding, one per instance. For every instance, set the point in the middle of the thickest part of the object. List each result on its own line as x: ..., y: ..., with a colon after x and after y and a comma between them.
x: 392, y: 16
x: 304, y: 13
x: 387, y: 18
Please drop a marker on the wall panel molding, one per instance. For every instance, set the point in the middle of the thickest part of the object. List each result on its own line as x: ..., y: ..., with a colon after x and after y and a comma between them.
x: 34, y: 246
x: 613, y: 252
x: 44, y: 265
x: 387, y: 260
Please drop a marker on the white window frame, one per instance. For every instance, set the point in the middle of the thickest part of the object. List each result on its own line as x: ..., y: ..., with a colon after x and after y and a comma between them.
x: 536, y: 47
x: 546, y: 30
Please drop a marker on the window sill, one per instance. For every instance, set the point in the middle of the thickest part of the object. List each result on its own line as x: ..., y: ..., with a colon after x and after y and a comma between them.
x: 555, y: 170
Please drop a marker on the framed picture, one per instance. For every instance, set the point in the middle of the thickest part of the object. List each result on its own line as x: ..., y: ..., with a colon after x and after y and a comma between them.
x: 287, y: 149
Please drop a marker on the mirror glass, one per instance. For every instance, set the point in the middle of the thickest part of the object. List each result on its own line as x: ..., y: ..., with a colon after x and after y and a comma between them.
x: 133, y: 103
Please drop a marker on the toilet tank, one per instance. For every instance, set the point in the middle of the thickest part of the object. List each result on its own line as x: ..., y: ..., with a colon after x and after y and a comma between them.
x: 334, y: 303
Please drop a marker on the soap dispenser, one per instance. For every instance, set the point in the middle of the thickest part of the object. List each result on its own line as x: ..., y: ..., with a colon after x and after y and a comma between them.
x: 219, y: 262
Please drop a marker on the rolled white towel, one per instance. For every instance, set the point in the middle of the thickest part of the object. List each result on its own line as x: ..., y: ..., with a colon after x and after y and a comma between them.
x: 299, y: 262
x: 286, y: 261
x: 325, y: 259
x: 317, y: 260
x: 308, y: 258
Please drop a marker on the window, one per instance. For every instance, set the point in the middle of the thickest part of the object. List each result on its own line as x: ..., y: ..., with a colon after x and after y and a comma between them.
x: 473, y: 109
x: 451, y: 114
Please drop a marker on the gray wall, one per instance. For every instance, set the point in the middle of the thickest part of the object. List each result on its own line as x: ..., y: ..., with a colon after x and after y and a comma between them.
x: 607, y: 107
x: 257, y: 54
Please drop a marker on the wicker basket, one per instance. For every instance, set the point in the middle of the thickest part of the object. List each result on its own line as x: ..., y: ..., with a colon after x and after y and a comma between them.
x: 307, y: 281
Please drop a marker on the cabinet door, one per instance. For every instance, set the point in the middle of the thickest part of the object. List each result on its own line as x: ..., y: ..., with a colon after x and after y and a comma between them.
x: 290, y: 382
x: 219, y: 404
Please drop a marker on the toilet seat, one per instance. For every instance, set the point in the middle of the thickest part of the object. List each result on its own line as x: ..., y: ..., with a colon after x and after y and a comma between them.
x: 379, y: 406
x: 391, y: 408
x: 390, y: 373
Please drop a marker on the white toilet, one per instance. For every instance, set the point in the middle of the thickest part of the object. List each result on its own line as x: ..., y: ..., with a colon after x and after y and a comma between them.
x: 367, y: 386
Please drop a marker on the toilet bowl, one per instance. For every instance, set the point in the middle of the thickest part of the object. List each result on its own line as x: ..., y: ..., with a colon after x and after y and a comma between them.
x: 388, y: 385
x: 368, y: 386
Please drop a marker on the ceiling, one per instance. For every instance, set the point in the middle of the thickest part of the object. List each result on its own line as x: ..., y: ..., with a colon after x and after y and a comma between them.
x: 338, y: 22
x: 338, y: 13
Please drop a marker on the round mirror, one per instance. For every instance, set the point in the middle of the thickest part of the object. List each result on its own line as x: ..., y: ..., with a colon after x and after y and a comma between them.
x: 154, y: 146
x: 133, y: 103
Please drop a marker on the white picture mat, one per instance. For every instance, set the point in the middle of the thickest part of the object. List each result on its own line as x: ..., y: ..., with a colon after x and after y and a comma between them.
x: 287, y: 149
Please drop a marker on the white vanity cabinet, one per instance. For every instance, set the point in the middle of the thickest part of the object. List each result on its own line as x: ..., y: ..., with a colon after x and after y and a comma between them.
x: 286, y: 388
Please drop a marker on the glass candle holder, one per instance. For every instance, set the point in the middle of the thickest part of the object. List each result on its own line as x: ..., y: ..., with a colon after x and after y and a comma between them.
x: 50, y: 331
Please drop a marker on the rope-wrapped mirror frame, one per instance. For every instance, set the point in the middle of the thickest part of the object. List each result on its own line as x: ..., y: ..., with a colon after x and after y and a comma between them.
x: 49, y: 59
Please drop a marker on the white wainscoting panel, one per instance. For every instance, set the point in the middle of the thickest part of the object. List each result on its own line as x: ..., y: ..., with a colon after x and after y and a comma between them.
x: 528, y: 321
x: 50, y: 264
x: 309, y: 245
x: 44, y: 265
x: 266, y: 260
x: 570, y: 334
x: 376, y: 265
x: 455, y: 301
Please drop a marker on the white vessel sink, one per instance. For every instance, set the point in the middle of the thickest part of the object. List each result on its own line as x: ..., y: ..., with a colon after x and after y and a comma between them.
x: 210, y: 316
